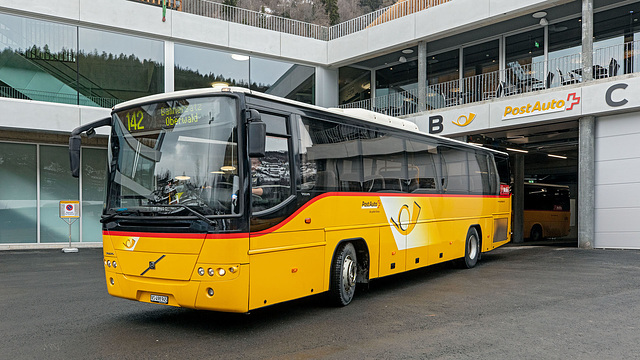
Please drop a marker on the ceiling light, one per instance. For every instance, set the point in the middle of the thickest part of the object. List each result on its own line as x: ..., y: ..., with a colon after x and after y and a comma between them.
x: 539, y: 14
x: 518, y: 150
x: 557, y: 156
x: 239, y: 57
x: 407, y: 51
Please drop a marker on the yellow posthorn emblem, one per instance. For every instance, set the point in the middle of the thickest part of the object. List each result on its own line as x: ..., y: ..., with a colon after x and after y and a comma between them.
x: 400, y: 225
x: 131, y: 242
x: 464, y: 120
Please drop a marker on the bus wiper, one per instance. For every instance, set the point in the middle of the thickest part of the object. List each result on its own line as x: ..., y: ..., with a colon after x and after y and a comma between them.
x: 191, y: 210
x: 121, y: 211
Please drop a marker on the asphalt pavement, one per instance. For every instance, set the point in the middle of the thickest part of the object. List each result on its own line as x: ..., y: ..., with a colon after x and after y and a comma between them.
x: 520, y: 302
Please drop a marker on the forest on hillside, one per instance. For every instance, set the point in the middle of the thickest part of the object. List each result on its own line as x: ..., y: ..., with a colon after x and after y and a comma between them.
x: 320, y: 12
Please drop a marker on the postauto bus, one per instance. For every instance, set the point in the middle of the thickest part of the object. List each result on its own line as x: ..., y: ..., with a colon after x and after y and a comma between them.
x: 231, y: 200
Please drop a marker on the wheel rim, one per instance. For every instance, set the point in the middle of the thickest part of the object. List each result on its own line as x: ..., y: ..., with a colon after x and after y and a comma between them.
x: 348, y: 273
x: 473, y: 247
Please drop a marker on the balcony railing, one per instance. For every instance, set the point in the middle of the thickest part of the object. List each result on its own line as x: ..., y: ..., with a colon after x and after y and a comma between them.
x: 515, y: 79
x: 262, y: 20
x: 400, y: 9
x: 60, y: 98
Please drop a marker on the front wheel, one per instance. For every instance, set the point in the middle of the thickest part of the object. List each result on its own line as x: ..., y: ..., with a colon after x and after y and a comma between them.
x: 471, y: 249
x: 343, y: 275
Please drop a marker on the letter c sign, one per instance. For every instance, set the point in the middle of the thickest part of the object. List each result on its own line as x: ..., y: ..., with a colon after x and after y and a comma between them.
x: 610, y: 91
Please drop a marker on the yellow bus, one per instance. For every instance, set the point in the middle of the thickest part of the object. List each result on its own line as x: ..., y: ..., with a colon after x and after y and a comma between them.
x: 546, y: 211
x: 231, y: 200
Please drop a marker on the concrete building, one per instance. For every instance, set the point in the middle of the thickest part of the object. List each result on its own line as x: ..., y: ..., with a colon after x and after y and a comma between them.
x: 554, y: 82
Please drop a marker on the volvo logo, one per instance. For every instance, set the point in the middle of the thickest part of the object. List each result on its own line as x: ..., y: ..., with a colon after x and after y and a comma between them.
x: 152, y: 265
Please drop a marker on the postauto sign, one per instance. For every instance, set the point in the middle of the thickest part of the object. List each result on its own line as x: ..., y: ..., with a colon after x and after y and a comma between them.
x: 540, y: 107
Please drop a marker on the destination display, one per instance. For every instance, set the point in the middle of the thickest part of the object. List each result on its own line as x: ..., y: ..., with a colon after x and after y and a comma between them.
x: 162, y: 116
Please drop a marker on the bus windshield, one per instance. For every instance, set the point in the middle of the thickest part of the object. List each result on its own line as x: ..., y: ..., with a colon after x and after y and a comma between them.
x: 175, y: 157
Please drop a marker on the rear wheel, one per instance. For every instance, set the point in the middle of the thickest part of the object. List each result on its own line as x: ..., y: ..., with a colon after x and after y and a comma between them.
x: 536, y: 233
x: 471, y: 249
x: 343, y: 275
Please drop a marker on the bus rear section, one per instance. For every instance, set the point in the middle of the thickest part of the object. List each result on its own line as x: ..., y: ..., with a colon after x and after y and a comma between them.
x: 547, y: 212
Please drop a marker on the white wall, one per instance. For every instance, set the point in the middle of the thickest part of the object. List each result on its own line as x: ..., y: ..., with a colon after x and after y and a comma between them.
x: 617, y: 182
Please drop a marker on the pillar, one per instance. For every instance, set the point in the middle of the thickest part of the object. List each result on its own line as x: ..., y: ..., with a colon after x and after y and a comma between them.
x: 517, y: 225
x: 326, y: 87
x: 422, y: 76
x: 586, y: 141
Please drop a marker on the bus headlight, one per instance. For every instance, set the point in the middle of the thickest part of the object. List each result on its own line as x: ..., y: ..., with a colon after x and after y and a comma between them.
x: 211, y: 272
x: 201, y: 271
x: 221, y: 271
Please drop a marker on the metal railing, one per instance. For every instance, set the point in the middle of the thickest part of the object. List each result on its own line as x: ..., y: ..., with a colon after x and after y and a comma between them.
x: 54, y: 97
x: 253, y: 18
x: 262, y: 20
x: 514, y: 80
x: 381, y: 16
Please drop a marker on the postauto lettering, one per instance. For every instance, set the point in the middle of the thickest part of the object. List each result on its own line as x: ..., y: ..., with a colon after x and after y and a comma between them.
x: 537, y: 107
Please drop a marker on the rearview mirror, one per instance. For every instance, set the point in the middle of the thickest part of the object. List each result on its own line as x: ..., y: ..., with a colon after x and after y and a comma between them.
x: 257, y: 137
x: 74, y: 155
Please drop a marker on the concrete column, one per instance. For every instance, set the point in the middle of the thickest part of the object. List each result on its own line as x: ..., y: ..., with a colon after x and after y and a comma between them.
x: 422, y: 76
x: 327, y: 88
x: 517, y: 225
x: 586, y: 183
x: 587, y: 40
x: 169, y: 66
x: 586, y: 146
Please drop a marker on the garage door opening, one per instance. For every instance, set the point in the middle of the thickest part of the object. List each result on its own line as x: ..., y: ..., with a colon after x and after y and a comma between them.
x: 544, y: 166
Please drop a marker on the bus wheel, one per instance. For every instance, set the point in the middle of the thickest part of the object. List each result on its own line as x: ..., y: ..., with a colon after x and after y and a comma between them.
x: 343, y: 275
x: 536, y: 233
x: 471, y: 249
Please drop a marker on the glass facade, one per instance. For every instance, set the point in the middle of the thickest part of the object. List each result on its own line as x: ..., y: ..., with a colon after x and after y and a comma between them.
x: 18, y: 207
x: 197, y: 67
x: 38, y: 60
x: 25, y: 166
x: 56, y: 184
x: 94, y: 172
x: 48, y: 61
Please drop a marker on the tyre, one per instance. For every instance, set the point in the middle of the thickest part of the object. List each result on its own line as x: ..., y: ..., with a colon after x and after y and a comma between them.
x: 536, y: 233
x: 343, y: 275
x: 471, y: 249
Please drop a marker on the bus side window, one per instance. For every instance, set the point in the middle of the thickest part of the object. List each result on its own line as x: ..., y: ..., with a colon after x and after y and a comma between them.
x: 422, y: 167
x: 457, y: 170
x: 385, y: 167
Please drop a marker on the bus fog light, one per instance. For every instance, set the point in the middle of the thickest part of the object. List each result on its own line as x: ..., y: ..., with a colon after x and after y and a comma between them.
x: 211, y: 272
x: 221, y: 271
x: 233, y: 269
x: 111, y: 281
x: 210, y: 291
x: 200, y: 271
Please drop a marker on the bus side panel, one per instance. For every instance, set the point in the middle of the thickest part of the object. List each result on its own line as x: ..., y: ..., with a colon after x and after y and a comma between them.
x: 287, y: 272
x: 371, y: 236
x: 392, y: 260
x: 417, y: 249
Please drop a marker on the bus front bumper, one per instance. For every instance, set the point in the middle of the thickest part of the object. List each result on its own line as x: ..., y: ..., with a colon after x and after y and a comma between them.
x: 203, y: 292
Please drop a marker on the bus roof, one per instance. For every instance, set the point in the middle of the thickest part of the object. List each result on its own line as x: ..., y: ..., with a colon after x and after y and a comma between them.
x: 358, y: 114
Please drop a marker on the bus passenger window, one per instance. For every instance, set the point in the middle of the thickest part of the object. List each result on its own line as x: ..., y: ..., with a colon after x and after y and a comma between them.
x: 270, y: 176
x: 422, y: 169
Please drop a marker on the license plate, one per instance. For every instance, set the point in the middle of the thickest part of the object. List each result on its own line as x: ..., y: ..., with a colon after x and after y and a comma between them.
x: 160, y: 299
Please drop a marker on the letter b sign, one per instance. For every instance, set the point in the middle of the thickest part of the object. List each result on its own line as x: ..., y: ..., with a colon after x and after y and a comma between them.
x: 435, y: 124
